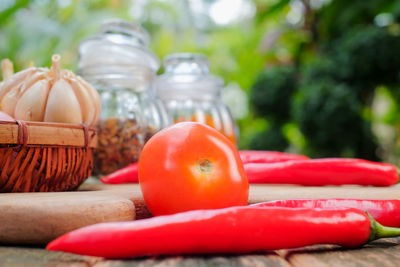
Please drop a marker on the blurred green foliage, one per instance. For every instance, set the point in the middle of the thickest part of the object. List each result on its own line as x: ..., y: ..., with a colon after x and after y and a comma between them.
x: 338, y: 68
x: 272, y: 138
x: 311, y: 68
x: 274, y: 102
x: 336, y: 127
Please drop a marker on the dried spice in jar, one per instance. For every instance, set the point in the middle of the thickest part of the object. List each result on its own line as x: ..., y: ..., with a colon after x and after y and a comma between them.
x: 120, y: 143
x: 118, y: 63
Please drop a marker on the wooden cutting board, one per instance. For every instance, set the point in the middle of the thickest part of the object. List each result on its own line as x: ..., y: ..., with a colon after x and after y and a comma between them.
x: 260, y: 193
x: 37, y: 218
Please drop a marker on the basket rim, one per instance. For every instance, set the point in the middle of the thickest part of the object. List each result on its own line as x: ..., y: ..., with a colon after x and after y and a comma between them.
x: 30, y: 133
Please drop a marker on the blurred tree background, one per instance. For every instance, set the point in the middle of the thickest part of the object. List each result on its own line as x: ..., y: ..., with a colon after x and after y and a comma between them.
x: 318, y: 77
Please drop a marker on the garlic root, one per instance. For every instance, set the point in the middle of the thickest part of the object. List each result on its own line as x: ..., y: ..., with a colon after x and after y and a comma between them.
x: 7, y: 68
x: 55, y: 66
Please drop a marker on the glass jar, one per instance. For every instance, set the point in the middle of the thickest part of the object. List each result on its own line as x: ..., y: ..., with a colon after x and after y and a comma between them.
x: 191, y: 93
x: 119, y: 64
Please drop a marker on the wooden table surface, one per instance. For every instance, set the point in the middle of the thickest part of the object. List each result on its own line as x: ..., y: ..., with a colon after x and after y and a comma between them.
x: 382, y: 253
x: 385, y: 252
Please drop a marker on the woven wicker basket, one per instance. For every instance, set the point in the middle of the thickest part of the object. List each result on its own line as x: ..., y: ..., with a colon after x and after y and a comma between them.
x: 44, y: 157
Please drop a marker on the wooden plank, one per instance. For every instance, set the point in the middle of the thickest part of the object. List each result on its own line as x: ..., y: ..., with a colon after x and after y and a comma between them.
x: 19, y: 256
x: 37, y: 218
x: 8, y: 134
x: 379, y: 253
x: 271, y: 260
x: 262, y: 193
x: 48, y: 134
x: 128, y: 191
x: 40, y: 217
x: 59, y: 136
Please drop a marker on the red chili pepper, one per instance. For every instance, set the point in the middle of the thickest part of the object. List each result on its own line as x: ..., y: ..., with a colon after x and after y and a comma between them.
x: 253, y: 156
x: 128, y: 174
x: 230, y: 230
x: 386, y: 212
x: 328, y: 171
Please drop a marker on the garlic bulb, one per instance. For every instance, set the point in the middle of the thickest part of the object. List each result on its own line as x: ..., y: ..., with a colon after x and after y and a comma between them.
x: 5, y: 117
x: 50, y: 95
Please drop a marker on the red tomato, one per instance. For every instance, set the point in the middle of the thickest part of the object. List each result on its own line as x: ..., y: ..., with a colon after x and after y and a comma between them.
x: 191, y: 166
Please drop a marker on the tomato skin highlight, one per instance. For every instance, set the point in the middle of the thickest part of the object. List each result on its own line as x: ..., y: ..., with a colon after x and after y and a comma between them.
x: 190, y: 166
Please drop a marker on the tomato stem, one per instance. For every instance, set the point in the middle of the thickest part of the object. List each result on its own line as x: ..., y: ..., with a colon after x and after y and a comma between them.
x: 205, y: 166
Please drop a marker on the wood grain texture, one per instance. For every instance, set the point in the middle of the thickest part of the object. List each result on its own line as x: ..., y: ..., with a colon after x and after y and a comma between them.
x: 128, y: 191
x: 18, y: 256
x: 24, y: 256
x: 52, y: 134
x: 262, y: 193
x: 37, y: 218
x: 377, y: 254
x: 255, y: 260
x: 385, y: 252
x: 8, y: 134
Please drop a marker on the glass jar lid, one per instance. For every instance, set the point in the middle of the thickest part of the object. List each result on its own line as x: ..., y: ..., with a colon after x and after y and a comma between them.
x: 187, y: 72
x: 119, y: 53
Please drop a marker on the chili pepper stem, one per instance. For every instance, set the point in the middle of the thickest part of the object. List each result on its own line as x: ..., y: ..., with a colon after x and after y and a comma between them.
x: 380, y: 231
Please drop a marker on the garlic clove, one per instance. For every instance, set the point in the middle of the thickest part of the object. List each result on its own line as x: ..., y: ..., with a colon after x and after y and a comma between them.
x: 9, y: 101
x: 31, y: 105
x: 85, y: 101
x: 31, y: 80
x: 10, y: 90
x: 17, y: 78
x: 95, y: 97
x: 5, y: 117
x: 62, y: 104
